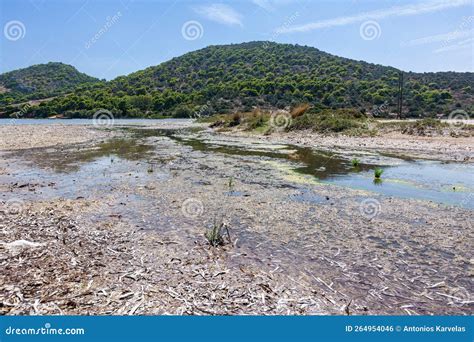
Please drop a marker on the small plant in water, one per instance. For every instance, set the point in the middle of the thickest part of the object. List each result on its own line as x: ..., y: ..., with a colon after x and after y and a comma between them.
x: 355, y: 162
x: 215, y: 235
x: 231, y: 184
x: 378, y: 173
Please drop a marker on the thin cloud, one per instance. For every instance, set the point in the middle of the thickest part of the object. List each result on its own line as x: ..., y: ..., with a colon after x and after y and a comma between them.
x: 397, y: 11
x: 220, y: 13
x: 444, y: 37
x: 468, y: 43
x: 272, y: 5
x: 265, y: 4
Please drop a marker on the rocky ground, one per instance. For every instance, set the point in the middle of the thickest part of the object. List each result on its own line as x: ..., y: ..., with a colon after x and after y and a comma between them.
x: 88, y: 228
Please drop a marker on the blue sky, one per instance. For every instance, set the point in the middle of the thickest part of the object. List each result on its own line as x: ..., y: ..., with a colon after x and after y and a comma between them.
x: 106, y: 38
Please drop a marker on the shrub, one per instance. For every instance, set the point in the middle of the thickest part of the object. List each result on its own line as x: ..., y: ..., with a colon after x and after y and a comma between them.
x: 257, y: 119
x: 355, y: 162
x: 236, y: 119
x: 299, y: 110
x: 378, y: 173
x: 424, y: 127
x: 332, y: 121
x: 182, y: 112
x: 215, y: 235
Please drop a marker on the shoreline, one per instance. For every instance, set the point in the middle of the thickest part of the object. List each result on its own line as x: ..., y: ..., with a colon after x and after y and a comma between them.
x: 456, y: 149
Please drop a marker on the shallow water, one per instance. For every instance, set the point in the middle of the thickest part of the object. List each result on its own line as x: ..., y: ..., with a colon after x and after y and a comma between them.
x: 442, y: 182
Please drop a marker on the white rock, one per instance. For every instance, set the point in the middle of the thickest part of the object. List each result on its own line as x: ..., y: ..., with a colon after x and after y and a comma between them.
x: 21, y: 244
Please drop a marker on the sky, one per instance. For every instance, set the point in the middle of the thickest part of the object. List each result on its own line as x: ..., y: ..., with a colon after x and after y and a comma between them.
x: 110, y: 38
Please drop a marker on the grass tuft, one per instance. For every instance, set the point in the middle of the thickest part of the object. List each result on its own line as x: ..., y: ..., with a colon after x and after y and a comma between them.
x: 328, y: 121
x: 299, y: 110
x: 231, y: 184
x: 378, y: 173
x: 215, y: 235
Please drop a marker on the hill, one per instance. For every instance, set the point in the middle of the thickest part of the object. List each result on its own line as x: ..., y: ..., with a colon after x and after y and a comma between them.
x: 238, y: 77
x: 40, y: 81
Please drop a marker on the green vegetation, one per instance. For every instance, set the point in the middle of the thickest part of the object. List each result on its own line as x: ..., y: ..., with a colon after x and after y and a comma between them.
x: 423, y: 127
x: 327, y: 121
x: 378, y: 181
x: 231, y: 184
x: 239, y: 78
x: 42, y: 81
x: 347, y: 121
x: 378, y: 173
x: 215, y: 235
x: 256, y: 120
x: 355, y: 162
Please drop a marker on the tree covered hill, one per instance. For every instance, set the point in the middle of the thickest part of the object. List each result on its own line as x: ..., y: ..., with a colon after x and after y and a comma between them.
x: 41, y: 81
x: 239, y: 77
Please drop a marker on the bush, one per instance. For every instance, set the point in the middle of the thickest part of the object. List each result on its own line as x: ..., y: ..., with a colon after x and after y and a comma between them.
x: 355, y: 162
x: 257, y: 119
x: 332, y: 121
x: 378, y: 173
x: 424, y: 127
x: 182, y: 112
x: 299, y: 110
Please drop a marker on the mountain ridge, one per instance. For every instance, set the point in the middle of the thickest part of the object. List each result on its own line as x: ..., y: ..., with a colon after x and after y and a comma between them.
x: 239, y: 77
x: 40, y: 81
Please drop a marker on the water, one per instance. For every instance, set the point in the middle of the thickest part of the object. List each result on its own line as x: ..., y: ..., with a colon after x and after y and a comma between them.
x: 441, y: 182
x: 448, y: 183
x: 6, y: 122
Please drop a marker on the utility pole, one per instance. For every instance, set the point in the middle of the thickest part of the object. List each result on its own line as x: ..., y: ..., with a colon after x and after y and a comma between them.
x: 400, y: 94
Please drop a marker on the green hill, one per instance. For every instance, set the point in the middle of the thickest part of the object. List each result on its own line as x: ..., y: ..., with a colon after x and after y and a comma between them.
x: 40, y: 81
x: 238, y: 77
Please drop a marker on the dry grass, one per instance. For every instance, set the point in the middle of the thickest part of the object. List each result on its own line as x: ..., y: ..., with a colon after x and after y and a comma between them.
x: 299, y: 110
x: 73, y: 267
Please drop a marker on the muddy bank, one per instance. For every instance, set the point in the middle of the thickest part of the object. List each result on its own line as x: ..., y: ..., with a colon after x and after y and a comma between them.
x: 118, y: 227
x: 30, y: 133
x: 16, y: 137
x: 460, y: 149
